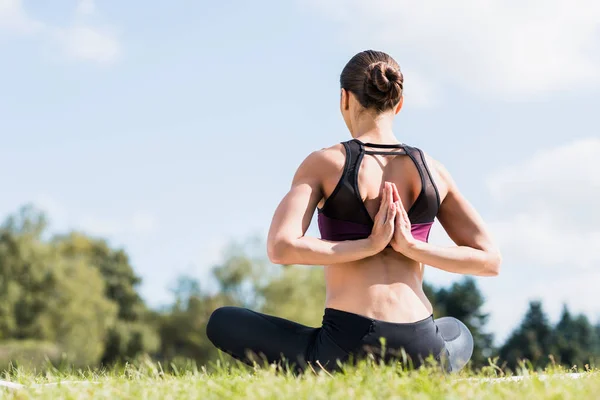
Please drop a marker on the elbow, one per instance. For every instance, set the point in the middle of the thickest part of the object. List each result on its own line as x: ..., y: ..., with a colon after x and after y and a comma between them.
x: 494, y: 263
x: 279, y: 251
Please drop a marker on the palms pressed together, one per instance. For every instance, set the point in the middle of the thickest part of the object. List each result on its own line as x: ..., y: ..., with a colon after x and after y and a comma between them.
x: 392, y: 225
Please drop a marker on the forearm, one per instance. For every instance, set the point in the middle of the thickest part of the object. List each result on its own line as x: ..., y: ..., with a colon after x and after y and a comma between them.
x: 313, y: 251
x: 457, y: 259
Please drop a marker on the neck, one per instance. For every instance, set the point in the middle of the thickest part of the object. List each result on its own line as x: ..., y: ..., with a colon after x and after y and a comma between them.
x: 374, y: 129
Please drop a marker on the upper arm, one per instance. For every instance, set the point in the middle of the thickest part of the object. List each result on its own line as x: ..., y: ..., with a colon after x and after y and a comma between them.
x: 460, y: 220
x: 295, y: 211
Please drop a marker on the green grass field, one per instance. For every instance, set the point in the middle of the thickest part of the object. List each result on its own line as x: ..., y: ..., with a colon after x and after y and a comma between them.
x: 366, y: 381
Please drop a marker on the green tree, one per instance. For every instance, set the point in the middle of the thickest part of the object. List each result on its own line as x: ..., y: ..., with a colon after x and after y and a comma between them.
x: 574, y: 340
x: 297, y: 293
x: 238, y: 281
x: 183, y: 327
x: 77, y: 315
x: 244, y: 278
x: 132, y: 333
x: 24, y: 272
x: 47, y: 298
x: 244, y: 271
x: 531, y: 340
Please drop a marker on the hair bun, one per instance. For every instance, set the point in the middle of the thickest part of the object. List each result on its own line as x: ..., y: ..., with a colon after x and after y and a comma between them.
x: 383, y: 84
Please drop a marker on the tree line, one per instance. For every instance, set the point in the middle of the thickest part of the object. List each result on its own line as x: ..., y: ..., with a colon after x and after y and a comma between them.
x: 73, y: 299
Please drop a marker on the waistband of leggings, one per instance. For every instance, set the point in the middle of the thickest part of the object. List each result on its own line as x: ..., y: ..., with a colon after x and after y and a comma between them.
x: 335, y: 313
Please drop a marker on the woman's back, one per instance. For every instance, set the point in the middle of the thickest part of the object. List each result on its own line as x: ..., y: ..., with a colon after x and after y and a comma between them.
x: 388, y: 285
x: 372, y: 246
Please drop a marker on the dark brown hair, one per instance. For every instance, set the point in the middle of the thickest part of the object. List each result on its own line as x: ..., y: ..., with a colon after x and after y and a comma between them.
x: 375, y: 79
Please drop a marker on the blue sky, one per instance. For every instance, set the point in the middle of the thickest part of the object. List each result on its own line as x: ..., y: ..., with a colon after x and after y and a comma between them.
x: 172, y: 127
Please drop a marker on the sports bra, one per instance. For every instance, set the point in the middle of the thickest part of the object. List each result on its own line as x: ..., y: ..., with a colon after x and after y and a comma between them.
x: 344, y: 215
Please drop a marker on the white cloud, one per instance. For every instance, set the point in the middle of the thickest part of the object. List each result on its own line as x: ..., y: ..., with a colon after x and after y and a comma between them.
x: 13, y: 18
x: 549, y: 204
x: 85, y: 7
x: 509, y: 50
x: 88, y: 43
x: 81, y: 40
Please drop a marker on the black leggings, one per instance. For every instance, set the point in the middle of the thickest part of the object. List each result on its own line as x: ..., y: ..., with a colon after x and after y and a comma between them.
x: 343, y: 337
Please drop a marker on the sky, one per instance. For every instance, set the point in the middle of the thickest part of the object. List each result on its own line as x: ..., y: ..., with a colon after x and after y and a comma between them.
x: 173, y: 128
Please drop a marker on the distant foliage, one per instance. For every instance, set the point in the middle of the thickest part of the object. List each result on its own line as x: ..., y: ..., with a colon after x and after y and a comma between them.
x: 573, y: 341
x: 531, y: 340
x: 72, y: 299
x: 49, y: 298
x: 131, y: 333
x: 29, y: 354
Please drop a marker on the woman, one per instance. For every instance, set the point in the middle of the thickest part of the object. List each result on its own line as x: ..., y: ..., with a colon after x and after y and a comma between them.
x: 377, y: 199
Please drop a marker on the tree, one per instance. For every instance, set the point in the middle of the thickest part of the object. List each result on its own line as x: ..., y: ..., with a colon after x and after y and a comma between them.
x: 113, y: 265
x: 183, y: 326
x: 24, y: 272
x: 77, y: 316
x: 132, y: 333
x: 574, y: 340
x: 531, y: 340
x: 238, y: 278
x: 245, y: 270
x: 298, y: 293
x: 47, y: 298
x: 244, y: 278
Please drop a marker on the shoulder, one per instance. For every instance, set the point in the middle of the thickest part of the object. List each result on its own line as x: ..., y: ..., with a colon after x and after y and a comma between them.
x: 324, y: 160
x: 321, y: 163
x: 440, y: 174
x: 438, y: 168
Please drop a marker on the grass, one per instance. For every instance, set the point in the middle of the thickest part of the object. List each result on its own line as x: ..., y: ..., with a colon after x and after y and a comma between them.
x: 365, y: 381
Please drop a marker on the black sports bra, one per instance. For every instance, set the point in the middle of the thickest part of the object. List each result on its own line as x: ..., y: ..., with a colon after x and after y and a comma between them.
x: 344, y: 215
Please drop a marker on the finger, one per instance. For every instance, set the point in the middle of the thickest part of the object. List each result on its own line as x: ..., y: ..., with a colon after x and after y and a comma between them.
x: 395, y: 192
x: 404, y: 216
x: 382, y: 212
x: 399, y: 212
x: 386, y: 193
x: 391, y: 213
x: 399, y: 217
x: 384, y: 201
x: 400, y: 204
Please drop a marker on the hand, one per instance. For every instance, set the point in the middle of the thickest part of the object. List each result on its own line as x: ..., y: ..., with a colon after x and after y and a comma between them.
x: 402, y: 238
x: 383, y: 225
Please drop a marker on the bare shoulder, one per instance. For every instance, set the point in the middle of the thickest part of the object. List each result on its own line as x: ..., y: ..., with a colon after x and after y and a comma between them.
x: 460, y: 220
x: 442, y: 178
x: 323, y: 162
x: 333, y: 155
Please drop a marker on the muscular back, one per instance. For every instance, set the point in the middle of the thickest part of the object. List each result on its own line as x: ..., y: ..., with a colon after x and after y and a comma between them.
x: 386, y: 286
x: 382, y: 284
